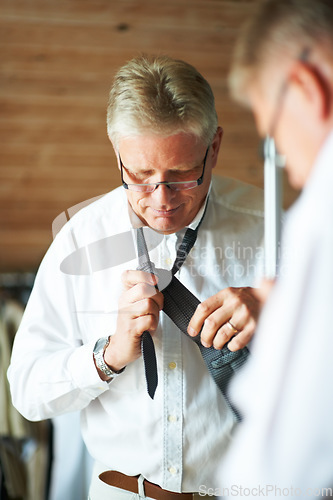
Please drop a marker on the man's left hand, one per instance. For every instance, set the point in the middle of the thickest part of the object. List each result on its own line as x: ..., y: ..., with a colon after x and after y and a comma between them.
x: 230, y: 314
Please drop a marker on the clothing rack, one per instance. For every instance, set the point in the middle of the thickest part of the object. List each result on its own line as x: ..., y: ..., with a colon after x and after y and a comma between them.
x: 17, y: 286
x: 25, y: 447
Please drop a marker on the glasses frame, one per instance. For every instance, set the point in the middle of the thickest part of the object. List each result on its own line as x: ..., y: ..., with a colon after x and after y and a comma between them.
x: 268, y: 146
x: 303, y: 57
x: 154, y: 185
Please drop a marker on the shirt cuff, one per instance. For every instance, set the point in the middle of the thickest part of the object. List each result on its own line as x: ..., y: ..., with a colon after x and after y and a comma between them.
x: 83, y: 371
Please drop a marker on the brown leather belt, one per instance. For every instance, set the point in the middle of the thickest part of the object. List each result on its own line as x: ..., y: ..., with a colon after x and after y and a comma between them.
x: 130, y: 483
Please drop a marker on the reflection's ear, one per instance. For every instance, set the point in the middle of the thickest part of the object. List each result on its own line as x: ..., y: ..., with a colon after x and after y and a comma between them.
x: 313, y: 88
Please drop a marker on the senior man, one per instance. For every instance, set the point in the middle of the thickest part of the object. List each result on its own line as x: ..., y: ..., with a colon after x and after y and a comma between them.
x: 79, y: 345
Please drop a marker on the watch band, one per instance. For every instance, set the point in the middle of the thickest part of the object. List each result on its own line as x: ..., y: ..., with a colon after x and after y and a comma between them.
x: 98, y: 353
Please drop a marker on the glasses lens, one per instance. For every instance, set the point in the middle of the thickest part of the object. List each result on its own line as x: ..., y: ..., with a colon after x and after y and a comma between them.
x: 174, y: 186
x: 182, y: 186
x: 141, y: 188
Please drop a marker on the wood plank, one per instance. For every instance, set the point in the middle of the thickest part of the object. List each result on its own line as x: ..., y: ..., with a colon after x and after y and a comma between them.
x: 47, y: 63
x: 65, y: 108
x: 176, y: 12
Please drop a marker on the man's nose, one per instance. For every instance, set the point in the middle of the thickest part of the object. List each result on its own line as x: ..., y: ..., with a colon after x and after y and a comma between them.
x: 163, y: 193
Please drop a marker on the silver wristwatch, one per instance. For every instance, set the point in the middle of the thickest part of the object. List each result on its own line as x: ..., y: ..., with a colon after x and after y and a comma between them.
x: 98, y: 352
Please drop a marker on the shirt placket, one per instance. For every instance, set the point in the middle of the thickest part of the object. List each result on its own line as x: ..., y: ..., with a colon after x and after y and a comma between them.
x: 172, y: 385
x: 173, y: 406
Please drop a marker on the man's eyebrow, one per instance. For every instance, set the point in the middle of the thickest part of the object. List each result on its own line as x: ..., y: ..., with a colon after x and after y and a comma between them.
x: 186, y: 168
x: 144, y: 171
x: 178, y: 168
x: 150, y: 171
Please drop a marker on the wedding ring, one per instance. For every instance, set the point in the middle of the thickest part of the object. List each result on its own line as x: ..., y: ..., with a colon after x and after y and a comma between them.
x: 233, y: 328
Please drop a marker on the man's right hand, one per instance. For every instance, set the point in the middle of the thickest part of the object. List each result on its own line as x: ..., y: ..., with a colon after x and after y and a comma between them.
x: 138, y: 310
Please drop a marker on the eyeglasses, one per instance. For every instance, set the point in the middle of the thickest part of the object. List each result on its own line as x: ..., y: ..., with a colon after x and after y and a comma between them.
x: 174, y: 186
x: 268, y: 144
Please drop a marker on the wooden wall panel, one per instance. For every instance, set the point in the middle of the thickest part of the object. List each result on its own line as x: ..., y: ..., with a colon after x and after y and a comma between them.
x: 56, y: 66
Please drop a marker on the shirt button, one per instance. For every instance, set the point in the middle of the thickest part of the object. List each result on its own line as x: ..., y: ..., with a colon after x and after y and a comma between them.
x: 172, y: 418
x: 172, y: 365
x: 168, y: 261
x: 172, y: 470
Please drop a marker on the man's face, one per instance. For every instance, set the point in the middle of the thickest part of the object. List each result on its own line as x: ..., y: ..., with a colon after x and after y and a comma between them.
x: 153, y: 158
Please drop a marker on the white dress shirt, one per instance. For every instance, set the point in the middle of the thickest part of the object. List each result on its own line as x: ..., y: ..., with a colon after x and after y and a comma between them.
x: 176, y: 439
x: 285, y: 444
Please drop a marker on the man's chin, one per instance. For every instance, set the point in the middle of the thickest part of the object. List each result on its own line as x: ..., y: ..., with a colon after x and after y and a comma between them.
x: 167, y: 227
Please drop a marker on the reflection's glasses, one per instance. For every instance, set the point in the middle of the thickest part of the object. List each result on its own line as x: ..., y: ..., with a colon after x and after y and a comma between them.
x: 268, y: 147
x: 174, y: 186
x: 273, y: 185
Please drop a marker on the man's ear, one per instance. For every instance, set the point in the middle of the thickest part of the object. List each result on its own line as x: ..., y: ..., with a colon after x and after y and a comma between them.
x: 313, y: 87
x: 115, y: 149
x: 216, y: 143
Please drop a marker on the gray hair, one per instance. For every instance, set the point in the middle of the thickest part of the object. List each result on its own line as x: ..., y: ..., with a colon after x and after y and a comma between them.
x: 279, y: 28
x: 160, y: 95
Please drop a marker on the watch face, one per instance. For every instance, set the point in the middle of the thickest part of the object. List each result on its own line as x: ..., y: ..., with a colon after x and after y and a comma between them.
x: 100, y: 344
